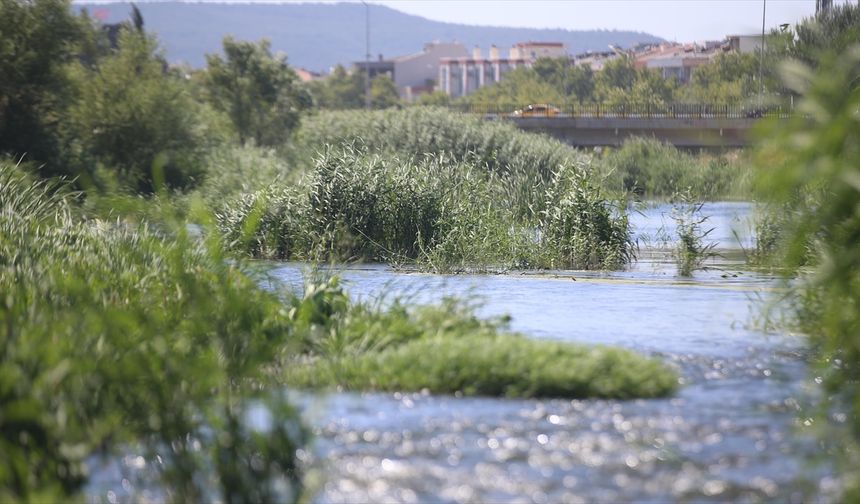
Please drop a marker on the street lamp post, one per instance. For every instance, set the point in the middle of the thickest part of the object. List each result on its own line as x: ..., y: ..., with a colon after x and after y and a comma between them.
x: 366, y: 55
x: 761, y: 55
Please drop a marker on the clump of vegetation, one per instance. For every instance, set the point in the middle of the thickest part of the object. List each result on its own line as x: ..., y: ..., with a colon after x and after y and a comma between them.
x: 580, y: 228
x: 445, y: 349
x: 233, y: 170
x: 114, y: 333
x: 525, y: 161
x: 435, y: 212
x: 809, y: 167
x: 692, y: 249
x: 648, y: 168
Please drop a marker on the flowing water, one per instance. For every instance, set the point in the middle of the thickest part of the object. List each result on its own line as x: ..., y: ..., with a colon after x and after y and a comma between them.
x: 737, y: 429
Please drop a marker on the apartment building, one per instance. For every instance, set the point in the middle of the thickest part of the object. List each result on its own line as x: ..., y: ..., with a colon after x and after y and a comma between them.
x: 464, y: 75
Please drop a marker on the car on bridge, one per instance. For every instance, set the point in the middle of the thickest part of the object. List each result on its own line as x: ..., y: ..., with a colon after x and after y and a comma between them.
x: 537, y: 110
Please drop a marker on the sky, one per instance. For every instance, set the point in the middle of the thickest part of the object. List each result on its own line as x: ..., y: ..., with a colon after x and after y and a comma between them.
x: 680, y: 20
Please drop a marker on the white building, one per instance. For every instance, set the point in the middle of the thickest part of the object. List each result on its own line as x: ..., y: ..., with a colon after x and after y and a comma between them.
x: 464, y: 75
x: 745, y: 43
x: 414, y: 74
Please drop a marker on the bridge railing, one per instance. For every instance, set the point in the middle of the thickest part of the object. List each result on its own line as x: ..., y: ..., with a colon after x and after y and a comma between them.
x: 643, y: 111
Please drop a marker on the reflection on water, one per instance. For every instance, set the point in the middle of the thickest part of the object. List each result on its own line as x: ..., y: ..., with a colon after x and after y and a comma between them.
x: 732, y: 223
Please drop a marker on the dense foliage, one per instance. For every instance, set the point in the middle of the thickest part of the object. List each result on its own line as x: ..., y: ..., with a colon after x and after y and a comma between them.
x: 811, y: 170
x: 259, y: 92
x: 114, y: 334
x: 346, y: 90
x: 647, y: 168
x: 439, y: 212
x: 523, y: 161
x: 130, y: 118
x: 39, y: 39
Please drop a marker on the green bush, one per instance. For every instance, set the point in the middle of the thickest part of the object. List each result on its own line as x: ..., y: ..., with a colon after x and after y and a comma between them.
x: 232, y: 170
x: 580, y: 228
x: 524, y: 160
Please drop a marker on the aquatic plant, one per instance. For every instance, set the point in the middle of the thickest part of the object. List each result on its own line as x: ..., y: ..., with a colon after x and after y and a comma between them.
x: 580, y: 229
x: 692, y: 249
x: 233, y: 170
x: 525, y: 160
x: 435, y: 213
x: 446, y: 349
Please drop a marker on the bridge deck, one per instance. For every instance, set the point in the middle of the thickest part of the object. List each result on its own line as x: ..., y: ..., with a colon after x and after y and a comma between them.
x: 612, y: 131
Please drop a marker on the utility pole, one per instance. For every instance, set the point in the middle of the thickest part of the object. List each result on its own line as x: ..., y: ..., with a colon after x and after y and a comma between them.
x: 761, y: 54
x: 366, y: 55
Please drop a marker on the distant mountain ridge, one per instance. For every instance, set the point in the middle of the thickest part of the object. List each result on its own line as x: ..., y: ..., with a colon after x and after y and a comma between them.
x: 319, y: 36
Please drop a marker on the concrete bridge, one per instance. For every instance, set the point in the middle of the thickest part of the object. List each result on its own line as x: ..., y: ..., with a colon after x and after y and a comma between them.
x: 686, y: 132
x: 686, y: 125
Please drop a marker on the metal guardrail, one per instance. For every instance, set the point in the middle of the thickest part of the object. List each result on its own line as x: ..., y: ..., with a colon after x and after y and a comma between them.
x: 643, y: 111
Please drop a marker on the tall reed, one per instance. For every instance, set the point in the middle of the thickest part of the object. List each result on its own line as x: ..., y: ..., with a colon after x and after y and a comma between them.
x: 435, y: 212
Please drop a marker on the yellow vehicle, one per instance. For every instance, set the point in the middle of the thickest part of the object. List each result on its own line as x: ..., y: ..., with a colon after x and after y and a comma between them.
x: 537, y: 110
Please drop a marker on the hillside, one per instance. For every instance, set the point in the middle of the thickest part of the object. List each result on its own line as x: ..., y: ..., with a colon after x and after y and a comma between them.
x: 319, y: 36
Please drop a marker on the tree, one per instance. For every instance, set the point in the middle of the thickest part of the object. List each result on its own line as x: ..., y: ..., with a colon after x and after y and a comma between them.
x: 517, y: 88
x: 616, y: 73
x: 620, y: 84
x: 132, y: 117
x: 39, y: 37
x: 580, y: 83
x: 434, y: 99
x: 340, y: 90
x: 259, y: 92
x: 383, y: 92
x: 575, y: 81
x: 729, y: 78
x: 832, y: 30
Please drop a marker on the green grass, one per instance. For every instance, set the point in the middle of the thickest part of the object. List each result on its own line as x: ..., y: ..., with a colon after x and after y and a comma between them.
x: 446, y: 349
x: 501, y: 365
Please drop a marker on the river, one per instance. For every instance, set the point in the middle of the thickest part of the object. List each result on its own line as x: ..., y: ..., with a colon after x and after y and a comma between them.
x: 738, y: 428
